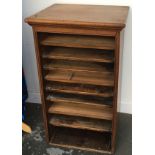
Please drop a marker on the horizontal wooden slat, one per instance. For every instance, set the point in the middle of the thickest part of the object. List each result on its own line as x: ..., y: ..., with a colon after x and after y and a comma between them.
x: 76, y: 66
x: 91, y: 55
x: 79, y: 41
x: 81, y: 123
x: 74, y: 30
x: 80, y: 89
x: 83, y: 110
x: 103, y: 79
x: 58, y: 144
x: 100, y: 102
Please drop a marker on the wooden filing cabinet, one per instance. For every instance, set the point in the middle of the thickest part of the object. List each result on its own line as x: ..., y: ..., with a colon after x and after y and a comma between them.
x: 77, y: 51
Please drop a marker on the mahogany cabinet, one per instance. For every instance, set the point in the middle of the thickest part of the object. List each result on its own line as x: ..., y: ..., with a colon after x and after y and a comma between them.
x: 77, y: 51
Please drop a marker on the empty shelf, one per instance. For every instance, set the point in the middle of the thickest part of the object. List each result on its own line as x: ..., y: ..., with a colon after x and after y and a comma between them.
x: 81, y: 123
x: 79, y: 41
x: 103, y: 79
x: 81, y: 139
x: 73, y: 109
x: 91, y: 55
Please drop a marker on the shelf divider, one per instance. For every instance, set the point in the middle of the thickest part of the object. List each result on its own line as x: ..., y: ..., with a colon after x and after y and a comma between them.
x: 79, y: 41
x: 65, y: 98
x: 77, y: 66
x: 80, y: 90
x: 73, y: 109
x: 102, y: 79
x: 87, y: 55
x: 81, y: 123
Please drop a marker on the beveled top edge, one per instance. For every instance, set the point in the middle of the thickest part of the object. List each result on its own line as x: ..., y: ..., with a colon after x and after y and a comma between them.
x: 46, y: 16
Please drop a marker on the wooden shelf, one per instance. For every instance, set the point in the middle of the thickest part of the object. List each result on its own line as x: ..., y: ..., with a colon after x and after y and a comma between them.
x: 73, y: 109
x: 80, y: 89
x: 76, y: 66
x: 88, y: 100
x: 78, y: 51
x: 79, y: 41
x: 81, y: 139
x: 90, y: 55
x: 81, y: 123
x: 102, y: 79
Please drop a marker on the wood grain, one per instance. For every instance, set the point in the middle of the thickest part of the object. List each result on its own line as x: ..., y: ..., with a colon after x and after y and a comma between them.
x: 116, y: 74
x: 83, y: 110
x: 82, y: 139
x: 77, y: 66
x: 87, y: 39
x: 62, y: 29
x: 81, y: 123
x: 87, y: 100
x: 41, y: 84
x: 104, y: 79
x: 79, y: 41
x: 82, y: 15
x: 90, y: 55
x: 80, y: 89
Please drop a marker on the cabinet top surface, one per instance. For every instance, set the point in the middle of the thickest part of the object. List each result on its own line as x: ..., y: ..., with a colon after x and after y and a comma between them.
x: 86, y: 15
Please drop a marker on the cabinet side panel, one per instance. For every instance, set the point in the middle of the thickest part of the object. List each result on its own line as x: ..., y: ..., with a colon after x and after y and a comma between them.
x: 44, y: 106
x: 116, y: 73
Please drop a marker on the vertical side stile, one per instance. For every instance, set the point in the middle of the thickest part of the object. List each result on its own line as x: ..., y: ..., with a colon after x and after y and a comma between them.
x: 41, y: 83
x: 116, y: 73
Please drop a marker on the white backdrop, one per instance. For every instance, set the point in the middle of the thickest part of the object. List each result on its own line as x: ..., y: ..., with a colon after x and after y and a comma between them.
x: 29, y: 62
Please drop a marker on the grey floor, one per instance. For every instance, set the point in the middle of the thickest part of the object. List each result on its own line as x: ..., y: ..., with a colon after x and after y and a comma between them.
x: 35, y: 144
